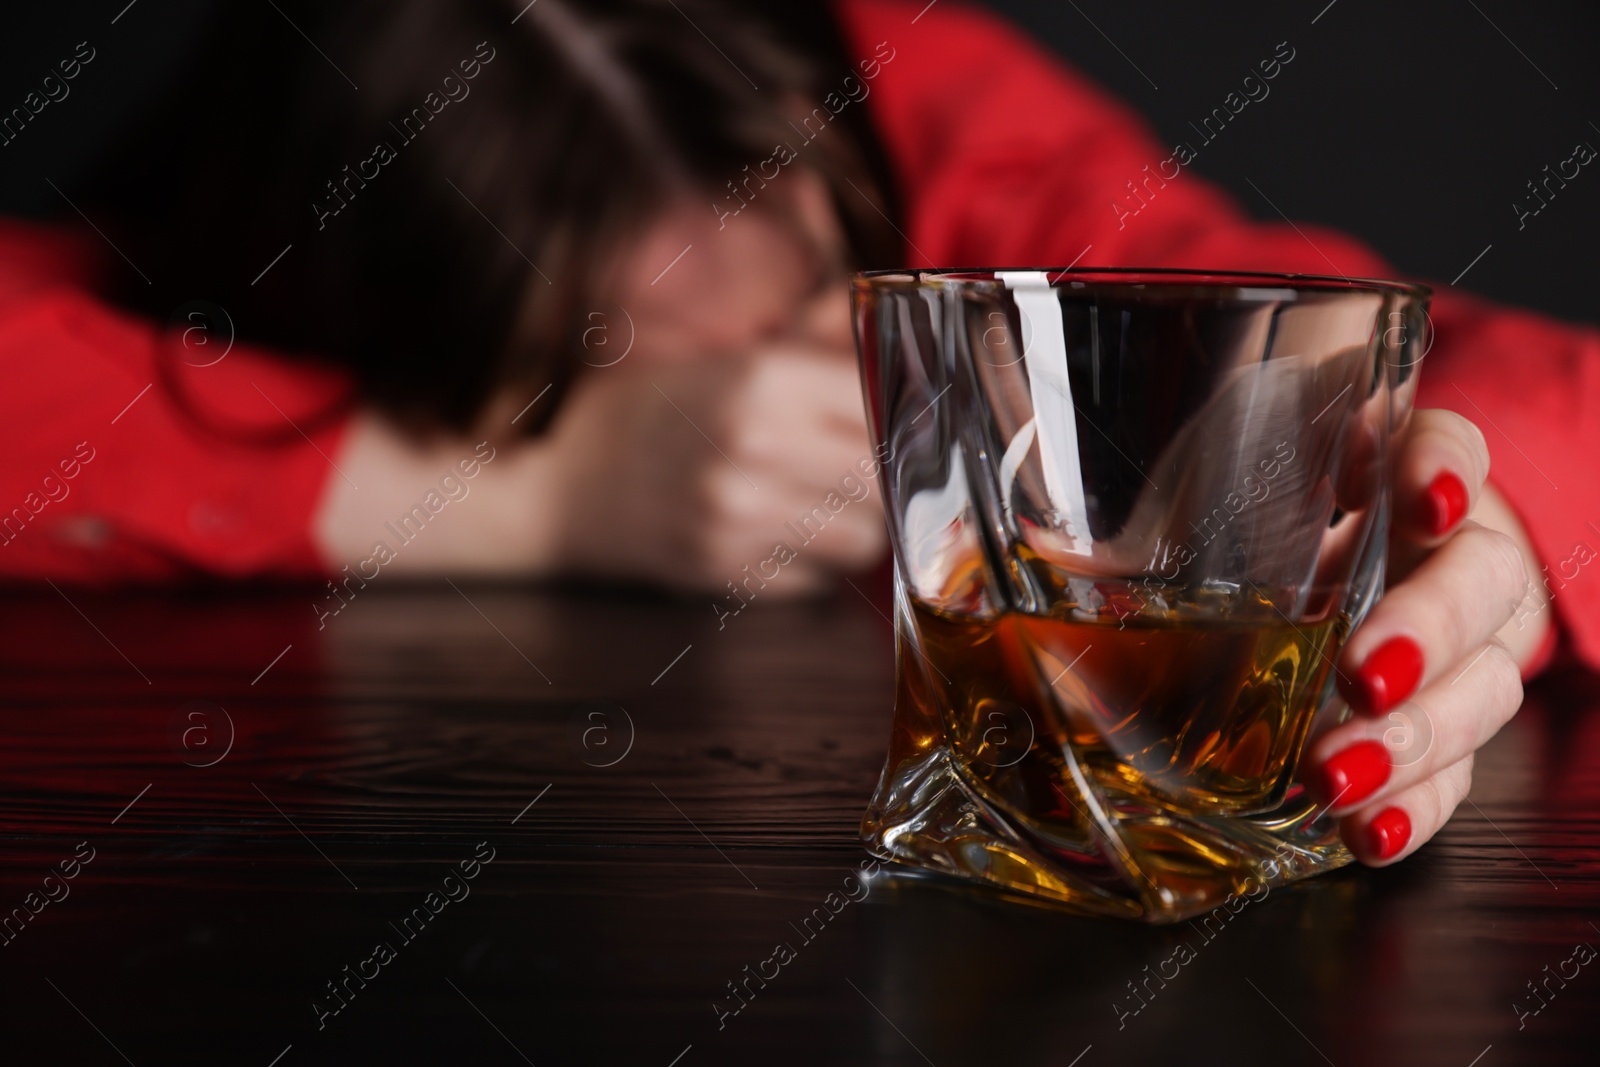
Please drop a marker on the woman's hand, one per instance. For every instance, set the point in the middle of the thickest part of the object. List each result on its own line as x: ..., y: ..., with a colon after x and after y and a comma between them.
x: 678, y: 474
x: 690, y: 474
x: 1435, y: 670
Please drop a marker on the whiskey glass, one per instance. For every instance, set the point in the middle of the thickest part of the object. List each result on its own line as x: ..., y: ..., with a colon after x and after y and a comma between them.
x: 1135, y: 513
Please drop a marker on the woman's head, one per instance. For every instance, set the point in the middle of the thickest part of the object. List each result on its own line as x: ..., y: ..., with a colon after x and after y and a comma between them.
x: 467, y: 186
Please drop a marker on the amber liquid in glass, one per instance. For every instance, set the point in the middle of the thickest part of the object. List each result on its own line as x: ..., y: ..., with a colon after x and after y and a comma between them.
x: 1206, y: 715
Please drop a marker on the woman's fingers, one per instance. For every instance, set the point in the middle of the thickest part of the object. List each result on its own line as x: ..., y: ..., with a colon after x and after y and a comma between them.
x: 1439, y: 471
x: 1367, y: 760
x: 783, y: 394
x: 1384, y: 833
x: 1428, y: 674
x: 1464, y: 587
x: 792, y: 466
x: 1442, y: 612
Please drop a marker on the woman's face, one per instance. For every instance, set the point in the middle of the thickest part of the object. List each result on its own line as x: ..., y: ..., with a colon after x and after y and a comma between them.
x: 699, y: 286
x: 696, y: 286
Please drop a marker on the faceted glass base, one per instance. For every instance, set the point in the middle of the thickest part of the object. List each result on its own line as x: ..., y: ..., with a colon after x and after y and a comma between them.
x: 927, y: 817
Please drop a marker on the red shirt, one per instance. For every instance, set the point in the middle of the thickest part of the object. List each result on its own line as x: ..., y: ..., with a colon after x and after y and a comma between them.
x: 1003, y: 156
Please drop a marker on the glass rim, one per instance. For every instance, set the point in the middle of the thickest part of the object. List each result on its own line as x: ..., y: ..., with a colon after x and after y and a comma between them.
x: 919, y: 277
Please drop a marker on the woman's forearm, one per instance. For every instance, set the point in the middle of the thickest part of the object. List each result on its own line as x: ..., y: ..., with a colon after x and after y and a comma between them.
x: 448, y: 505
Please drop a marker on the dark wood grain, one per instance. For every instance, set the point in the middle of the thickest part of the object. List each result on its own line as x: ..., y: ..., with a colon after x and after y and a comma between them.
x: 379, y: 752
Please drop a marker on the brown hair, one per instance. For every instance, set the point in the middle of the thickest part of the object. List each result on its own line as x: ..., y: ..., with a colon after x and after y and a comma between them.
x: 519, y: 144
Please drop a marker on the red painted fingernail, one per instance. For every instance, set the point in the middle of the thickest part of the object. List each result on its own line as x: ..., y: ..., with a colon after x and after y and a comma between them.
x: 1390, y: 674
x: 1388, y: 833
x: 1447, y: 502
x: 1353, y: 775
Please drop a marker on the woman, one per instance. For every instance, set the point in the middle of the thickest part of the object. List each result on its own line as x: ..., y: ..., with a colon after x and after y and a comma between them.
x: 581, y: 262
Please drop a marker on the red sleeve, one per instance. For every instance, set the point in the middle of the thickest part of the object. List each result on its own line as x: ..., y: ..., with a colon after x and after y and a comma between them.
x: 107, y: 478
x: 1006, y: 158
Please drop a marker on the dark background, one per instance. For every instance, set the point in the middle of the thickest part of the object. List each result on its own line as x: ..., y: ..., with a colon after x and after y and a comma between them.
x: 1414, y: 125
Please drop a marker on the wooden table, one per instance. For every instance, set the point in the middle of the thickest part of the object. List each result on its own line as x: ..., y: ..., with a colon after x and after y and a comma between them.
x: 646, y: 805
